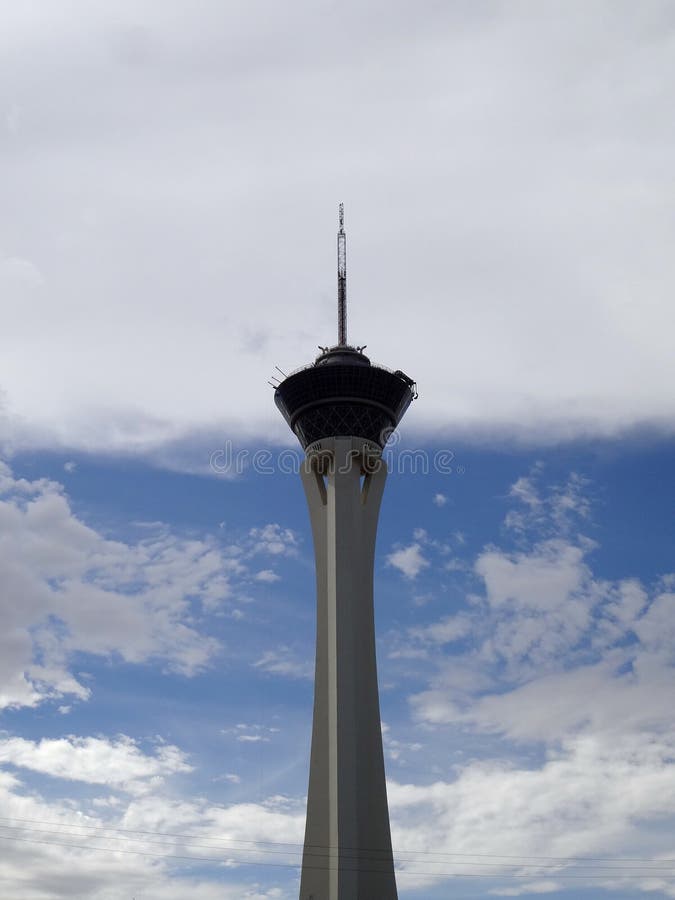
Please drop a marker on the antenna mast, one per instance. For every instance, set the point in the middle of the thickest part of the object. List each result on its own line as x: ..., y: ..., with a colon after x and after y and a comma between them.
x: 342, y: 279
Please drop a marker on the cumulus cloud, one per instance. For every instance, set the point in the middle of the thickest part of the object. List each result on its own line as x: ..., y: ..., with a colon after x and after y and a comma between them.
x: 541, y: 602
x: 273, y: 540
x: 567, y: 807
x: 410, y: 560
x: 542, y: 612
x: 119, y: 847
x: 445, y: 631
x: 575, y: 671
x: 68, y: 589
x: 557, y: 511
x: 117, y: 763
x: 267, y: 576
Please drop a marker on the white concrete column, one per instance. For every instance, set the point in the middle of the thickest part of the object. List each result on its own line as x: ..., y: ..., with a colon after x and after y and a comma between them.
x: 347, y: 853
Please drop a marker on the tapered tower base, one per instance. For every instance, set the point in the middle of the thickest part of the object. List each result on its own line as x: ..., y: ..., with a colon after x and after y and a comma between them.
x: 347, y: 853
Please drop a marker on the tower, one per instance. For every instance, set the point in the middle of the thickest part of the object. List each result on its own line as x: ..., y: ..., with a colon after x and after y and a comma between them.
x: 342, y: 408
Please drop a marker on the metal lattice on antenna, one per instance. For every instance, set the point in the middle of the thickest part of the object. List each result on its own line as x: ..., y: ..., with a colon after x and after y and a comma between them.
x: 342, y: 278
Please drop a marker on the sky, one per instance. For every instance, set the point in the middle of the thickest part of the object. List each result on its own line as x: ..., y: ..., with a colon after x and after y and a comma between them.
x: 170, y: 175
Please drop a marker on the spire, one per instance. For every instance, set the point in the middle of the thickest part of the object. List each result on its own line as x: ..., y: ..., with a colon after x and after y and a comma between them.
x: 342, y: 278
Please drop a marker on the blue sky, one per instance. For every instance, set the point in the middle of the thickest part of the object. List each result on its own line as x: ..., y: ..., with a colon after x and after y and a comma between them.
x: 170, y: 181
x: 524, y: 613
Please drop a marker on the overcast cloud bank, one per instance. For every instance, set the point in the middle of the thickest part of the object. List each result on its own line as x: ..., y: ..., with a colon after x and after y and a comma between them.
x: 171, y: 181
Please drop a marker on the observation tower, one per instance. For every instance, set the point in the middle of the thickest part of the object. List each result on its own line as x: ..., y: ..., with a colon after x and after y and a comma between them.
x: 342, y: 409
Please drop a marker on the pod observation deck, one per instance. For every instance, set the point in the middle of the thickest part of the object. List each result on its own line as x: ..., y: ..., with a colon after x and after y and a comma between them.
x: 343, y: 394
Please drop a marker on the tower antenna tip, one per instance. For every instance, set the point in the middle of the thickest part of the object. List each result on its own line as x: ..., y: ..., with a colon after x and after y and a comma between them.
x: 342, y: 278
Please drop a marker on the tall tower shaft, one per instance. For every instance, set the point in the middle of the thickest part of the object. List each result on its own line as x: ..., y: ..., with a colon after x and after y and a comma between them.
x: 342, y: 409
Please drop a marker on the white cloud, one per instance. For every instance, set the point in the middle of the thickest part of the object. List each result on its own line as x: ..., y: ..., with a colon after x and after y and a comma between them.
x: 575, y: 673
x: 397, y: 750
x: 616, y: 702
x: 534, y: 887
x: 267, y: 576
x: 542, y: 600
x: 273, y: 540
x: 439, y: 500
x: 117, y: 763
x: 68, y: 589
x: 251, y: 733
x: 656, y: 628
x: 566, y: 807
x: 123, y: 848
x: 445, y: 631
x: 233, y: 778
x: 18, y: 274
x: 558, y: 510
x: 577, y: 127
x: 408, y: 560
x: 524, y: 490
x: 544, y: 614
x: 284, y: 661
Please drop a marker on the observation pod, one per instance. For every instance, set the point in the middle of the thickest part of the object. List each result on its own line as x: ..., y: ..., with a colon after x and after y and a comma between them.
x: 343, y: 395
x: 342, y: 409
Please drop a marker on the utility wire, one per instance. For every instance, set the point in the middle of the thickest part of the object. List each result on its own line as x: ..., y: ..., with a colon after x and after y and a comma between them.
x: 195, y: 842
x: 220, y: 859
x: 397, y: 853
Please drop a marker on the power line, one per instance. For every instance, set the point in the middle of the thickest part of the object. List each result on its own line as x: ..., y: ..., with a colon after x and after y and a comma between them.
x: 215, y: 841
x: 195, y: 841
x: 220, y: 859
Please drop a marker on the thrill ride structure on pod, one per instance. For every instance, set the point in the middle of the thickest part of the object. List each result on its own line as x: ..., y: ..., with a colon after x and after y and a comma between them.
x: 343, y: 408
